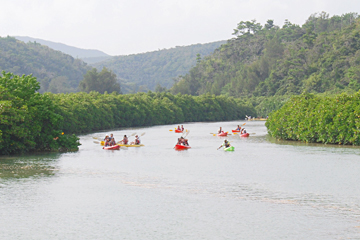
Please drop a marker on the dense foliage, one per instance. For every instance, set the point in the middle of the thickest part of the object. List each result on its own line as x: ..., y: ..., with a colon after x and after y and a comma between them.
x: 142, y: 72
x: 104, y: 81
x: 87, y: 112
x: 314, y: 118
x: 28, y: 121
x: 56, y: 71
x: 323, y: 55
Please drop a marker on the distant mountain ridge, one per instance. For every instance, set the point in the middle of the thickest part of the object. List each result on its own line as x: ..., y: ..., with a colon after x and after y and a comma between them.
x: 56, y: 71
x: 145, y: 71
x: 72, y: 51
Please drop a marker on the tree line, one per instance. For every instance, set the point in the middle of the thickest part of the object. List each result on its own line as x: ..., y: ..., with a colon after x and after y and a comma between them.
x: 31, y: 121
x: 320, y: 56
x: 318, y: 119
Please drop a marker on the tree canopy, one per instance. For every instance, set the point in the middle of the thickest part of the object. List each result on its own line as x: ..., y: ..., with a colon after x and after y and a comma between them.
x: 104, y: 81
x: 320, y: 56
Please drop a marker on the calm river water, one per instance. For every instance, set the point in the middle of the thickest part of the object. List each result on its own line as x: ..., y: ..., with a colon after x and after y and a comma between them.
x: 266, y: 189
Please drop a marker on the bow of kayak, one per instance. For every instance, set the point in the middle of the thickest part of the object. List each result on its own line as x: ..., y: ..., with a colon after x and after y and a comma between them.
x: 229, y: 149
x: 179, y: 147
x: 115, y: 147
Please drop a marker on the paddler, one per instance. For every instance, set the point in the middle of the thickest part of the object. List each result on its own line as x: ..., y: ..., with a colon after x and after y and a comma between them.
x: 107, y: 141
x: 238, y: 128
x: 178, y: 128
x: 112, y: 140
x: 243, y: 131
x: 137, y: 140
x: 226, y: 144
x: 182, y: 127
x: 125, y: 140
x: 220, y: 130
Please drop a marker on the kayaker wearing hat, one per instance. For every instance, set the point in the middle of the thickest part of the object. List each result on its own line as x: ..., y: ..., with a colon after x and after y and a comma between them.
x: 243, y: 131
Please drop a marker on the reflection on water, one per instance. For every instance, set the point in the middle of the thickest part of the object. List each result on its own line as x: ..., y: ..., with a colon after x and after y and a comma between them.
x: 31, y: 165
x: 265, y: 189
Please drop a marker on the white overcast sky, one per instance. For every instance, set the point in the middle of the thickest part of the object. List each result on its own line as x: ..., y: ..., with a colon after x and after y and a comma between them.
x: 121, y: 27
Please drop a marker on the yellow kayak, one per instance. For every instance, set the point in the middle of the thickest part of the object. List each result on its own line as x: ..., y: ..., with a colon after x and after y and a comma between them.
x: 131, y: 145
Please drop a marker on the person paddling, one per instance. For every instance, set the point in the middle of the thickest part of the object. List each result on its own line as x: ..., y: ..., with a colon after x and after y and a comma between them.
x: 182, y: 127
x: 220, y: 130
x: 238, y: 128
x: 226, y: 144
x: 136, y: 141
x: 125, y: 140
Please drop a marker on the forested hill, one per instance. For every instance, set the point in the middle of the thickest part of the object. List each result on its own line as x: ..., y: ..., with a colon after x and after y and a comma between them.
x: 143, y: 72
x: 322, y: 55
x: 56, y: 71
x: 87, y: 55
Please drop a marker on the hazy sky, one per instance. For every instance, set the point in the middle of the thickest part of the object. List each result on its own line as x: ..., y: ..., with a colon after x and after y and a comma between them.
x: 121, y: 27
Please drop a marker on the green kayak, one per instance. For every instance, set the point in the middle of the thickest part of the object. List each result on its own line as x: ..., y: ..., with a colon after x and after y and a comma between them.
x: 229, y: 149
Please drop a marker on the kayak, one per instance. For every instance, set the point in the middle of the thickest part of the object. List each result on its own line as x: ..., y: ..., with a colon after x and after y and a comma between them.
x: 235, y: 130
x: 245, y: 135
x: 179, y: 146
x: 229, y: 149
x: 131, y: 145
x: 223, y: 134
x: 178, y: 131
x: 115, y: 147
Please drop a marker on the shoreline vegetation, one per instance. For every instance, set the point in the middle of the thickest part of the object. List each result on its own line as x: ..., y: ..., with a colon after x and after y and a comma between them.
x: 30, y: 121
x: 318, y: 119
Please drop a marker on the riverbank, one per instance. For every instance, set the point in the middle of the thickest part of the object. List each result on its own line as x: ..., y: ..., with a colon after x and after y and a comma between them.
x: 313, y: 118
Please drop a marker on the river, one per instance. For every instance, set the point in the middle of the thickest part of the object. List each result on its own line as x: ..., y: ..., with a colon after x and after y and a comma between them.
x: 265, y: 189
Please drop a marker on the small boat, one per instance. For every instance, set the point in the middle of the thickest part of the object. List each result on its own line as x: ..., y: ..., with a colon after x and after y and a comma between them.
x: 235, y: 130
x: 115, y: 147
x: 229, y: 149
x: 223, y: 134
x: 178, y: 131
x: 131, y: 145
x: 245, y: 135
x: 179, y: 146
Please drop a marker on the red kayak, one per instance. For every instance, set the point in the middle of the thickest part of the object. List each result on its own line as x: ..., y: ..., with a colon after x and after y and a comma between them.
x: 178, y: 146
x: 245, y: 135
x: 235, y: 130
x: 178, y: 131
x: 115, y: 147
x: 223, y: 134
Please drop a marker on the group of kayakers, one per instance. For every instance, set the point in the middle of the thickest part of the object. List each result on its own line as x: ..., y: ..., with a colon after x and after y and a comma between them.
x: 110, y: 140
x: 180, y: 128
x: 239, y: 129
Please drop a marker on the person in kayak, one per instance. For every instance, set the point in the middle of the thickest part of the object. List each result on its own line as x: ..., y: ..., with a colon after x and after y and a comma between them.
x: 107, y: 141
x: 112, y: 140
x: 182, y: 127
x: 186, y: 142
x: 125, y: 140
x: 243, y: 131
x: 178, y: 128
x: 136, y: 141
x: 238, y: 128
x: 226, y: 144
x: 220, y: 130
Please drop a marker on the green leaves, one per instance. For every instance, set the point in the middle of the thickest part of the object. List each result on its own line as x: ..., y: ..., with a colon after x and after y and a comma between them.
x: 28, y: 121
x: 311, y: 118
x: 104, y: 81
